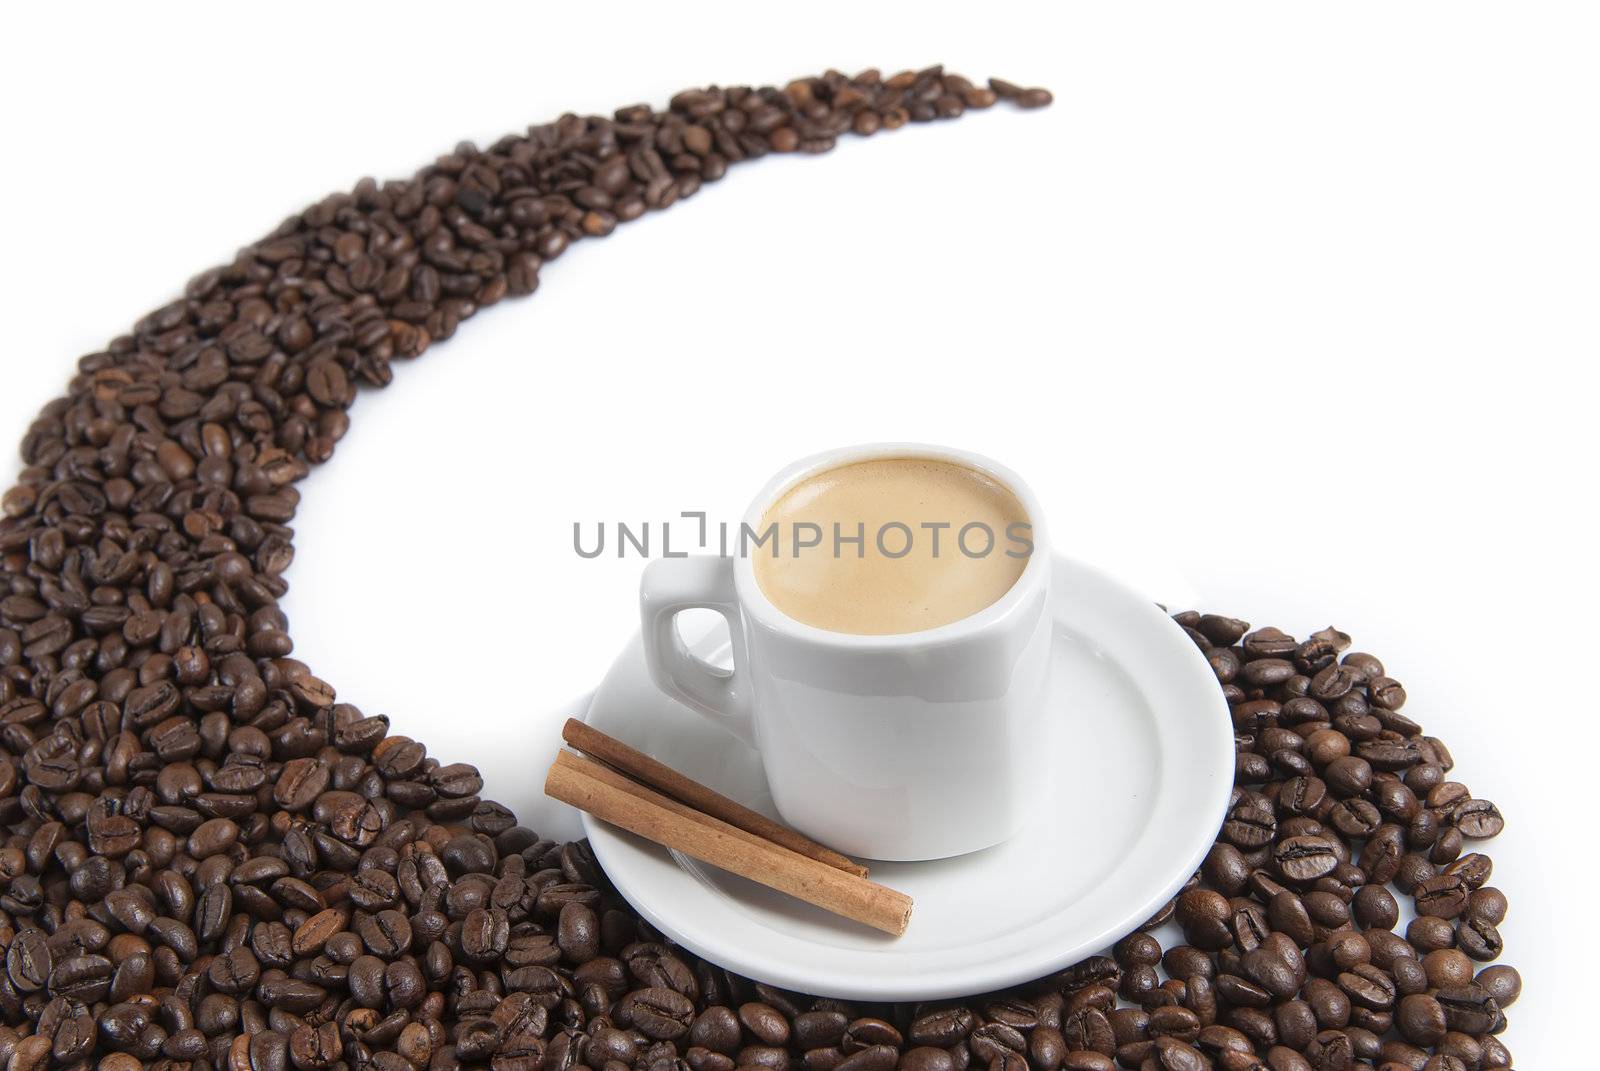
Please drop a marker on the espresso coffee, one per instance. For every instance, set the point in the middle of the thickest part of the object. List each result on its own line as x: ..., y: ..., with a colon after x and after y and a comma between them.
x: 891, y: 545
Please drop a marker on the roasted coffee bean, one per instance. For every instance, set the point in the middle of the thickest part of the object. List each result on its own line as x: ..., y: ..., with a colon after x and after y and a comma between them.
x: 942, y: 1028
x: 1140, y: 948
x: 485, y: 932
x: 1088, y: 1028
x: 235, y: 972
x: 1479, y: 819
x: 1374, y: 906
x: 1251, y: 824
x: 1271, y: 971
x: 1304, y: 859
x: 1388, y: 949
x: 927, y: 1058
x: 1203, y: 914
x: 1368, y: 986
x: 1175, y: 1022
x: 1426, y: 934
x: 1269, y: 642
x: 992, y: 1040
x: 873, y: 1058
x: 818, y: 1029
x: 1469, y: 1009
x: 1264, y: 672
x: 1446, y: 846
x: 311, y: 935
x: 1222, y: 631
x: 578, y: 933
x: 660, y: 1013
x: 1444, y: 896
x: 1408, y: 973
x: 1082, y: 1060
x: 1140, y: 985
x: 386, y: 934
x: 28, y: 961
x: 82, y: 978
x: 1478, y: 939
x: 765, y: 1023
x: 1334, y: 681
x: 1013, y: 1011
x: 1329, y: 1003
x: 1473, y: 869
x: 1411, y: 871
x: 1421, y: 1020
x: 1348, y: 775
x: 1495, y: 1053
x: 1502, y: 982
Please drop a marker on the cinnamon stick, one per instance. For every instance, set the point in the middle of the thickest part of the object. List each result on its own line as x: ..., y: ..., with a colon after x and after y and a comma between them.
x: 712, y: 841
x: 621, y: 781
x: 666, y: 780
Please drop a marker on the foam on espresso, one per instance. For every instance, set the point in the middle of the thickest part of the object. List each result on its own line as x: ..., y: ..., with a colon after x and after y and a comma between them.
x: 933, y: 548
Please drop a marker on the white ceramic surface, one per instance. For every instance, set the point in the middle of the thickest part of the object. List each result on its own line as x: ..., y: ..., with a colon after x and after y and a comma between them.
x: 912, y: 746
x: 1139, y: 779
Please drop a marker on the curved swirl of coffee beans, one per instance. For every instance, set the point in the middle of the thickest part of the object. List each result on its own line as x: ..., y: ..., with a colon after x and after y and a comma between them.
x: 210, y: 862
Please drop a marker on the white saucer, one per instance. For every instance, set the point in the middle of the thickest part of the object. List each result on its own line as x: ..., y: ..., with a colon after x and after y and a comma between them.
x: 1145, y: 762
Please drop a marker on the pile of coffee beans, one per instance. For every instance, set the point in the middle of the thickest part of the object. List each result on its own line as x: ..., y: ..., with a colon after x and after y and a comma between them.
x: 1343, y: 821
x: 210, y: 862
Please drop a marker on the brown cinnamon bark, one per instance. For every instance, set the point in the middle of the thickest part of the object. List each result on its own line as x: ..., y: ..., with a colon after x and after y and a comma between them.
x: 642, y: 811
x: 664, y: 779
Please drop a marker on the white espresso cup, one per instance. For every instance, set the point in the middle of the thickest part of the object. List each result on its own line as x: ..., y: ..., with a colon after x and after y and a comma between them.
x: 919, y: 745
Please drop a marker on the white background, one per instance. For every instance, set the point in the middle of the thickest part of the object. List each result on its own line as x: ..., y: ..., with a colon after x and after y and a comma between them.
x: 1288, y: 308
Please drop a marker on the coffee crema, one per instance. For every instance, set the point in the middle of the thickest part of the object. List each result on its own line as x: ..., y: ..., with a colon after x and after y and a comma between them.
x: 892, y: 545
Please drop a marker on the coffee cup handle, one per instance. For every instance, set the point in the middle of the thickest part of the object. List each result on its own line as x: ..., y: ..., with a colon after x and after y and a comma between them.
x: 669, y: 587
